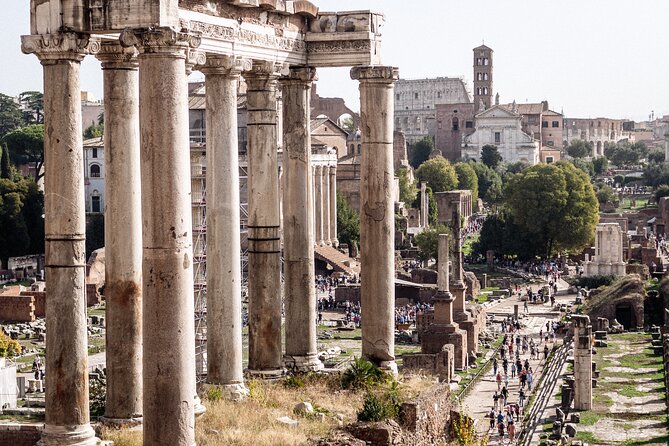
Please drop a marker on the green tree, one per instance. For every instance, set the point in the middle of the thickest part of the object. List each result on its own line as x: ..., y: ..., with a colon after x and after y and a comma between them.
x: 656, y: 156
x: 408, y: 189
x: 606, y: 195
x: 348, y: 125
x: 467, y: 179
x: 625, y: 154
x: 427, y: 242
x: 661, y: 191
x: 33, y: 105
x: 555, y: 205
x: 489, y: 181
x: 490, y: 156
x: 656, y: 174
x: 579, y: 148
x: 94, y: 131
x: 600, y: 165
x: 348, y: 222
x: 517, y: 167
x: 14, y: 238
x: 11, y: 117
x: 420, y: 152
x: 5, y: 166
x: 26, y: 146
x: 439, y: 174
x: 584, y: 165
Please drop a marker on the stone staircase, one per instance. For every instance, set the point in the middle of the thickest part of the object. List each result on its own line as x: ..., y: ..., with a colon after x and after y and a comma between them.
x: 339, y: 261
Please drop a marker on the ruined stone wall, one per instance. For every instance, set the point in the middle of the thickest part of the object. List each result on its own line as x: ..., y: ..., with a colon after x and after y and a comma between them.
x: 454, y: 121
x: 19, y: 435
x: 17, y: 308
x: 39, y: 301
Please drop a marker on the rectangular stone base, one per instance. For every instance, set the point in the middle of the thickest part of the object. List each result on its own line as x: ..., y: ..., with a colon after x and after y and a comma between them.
x: 440, y: 364
x: 436, y: 336
x: 467, y: 323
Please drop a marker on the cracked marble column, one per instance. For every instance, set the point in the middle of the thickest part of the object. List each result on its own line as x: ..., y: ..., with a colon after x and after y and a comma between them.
x: 224, y: 277
x: 67, y: 412
x: 265, y: 355
x: 123, y: 236
x: 318, y: 208
x: 458, y: 287
x: 168, y: 308
x: 333, y: 206
x: 377, y: 218
x: 298, y: 215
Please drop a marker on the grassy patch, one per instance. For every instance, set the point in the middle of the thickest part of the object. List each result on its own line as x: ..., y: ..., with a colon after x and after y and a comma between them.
x: 588, y: 418
x: 587, y: 437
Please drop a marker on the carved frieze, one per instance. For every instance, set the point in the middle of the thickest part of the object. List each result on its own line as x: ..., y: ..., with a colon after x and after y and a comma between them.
x: 339, y: 46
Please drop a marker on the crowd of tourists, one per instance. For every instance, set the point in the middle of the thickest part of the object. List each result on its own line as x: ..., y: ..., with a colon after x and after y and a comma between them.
x: 406, y: 314
x: 512, y: 362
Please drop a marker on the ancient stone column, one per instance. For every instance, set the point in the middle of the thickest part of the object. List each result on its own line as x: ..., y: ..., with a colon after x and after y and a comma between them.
x: 333, y: 206
x: 582, y: 362
x: 377, y: 218
x: 325, y: 193
x: 224, y: 277
x: 168, y: 308
x: 460, y: 314
x: 298, y: 214
x: 123, y: 236
x: 318, y: 208
x: 265, y: 358
x: 423, y: 205
x: 67, y: 412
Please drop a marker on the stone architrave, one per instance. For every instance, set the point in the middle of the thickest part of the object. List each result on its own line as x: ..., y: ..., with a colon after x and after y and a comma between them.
x: 318, y: 209
x: 168, y: 307
x: 224, y: 277
x: 333, y: 206
x: 123, y: 236
x: 582, y: 362
x: 265, y: 356
x: 443, y: 330
x: 377, y: 218
x: 459, y: 288
x: 298, y: 214
x: 67, y: 412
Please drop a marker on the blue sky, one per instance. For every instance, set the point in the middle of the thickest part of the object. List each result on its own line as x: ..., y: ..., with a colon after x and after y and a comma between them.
x: 589, y: 57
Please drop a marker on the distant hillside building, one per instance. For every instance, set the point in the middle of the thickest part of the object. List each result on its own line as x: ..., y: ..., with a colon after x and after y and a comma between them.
x: 598, y: 131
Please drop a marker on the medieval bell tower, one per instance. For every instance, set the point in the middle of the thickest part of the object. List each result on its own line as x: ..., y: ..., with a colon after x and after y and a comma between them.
x: 482, y: 78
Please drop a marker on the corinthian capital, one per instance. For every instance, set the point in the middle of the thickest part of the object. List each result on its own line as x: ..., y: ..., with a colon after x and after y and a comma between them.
x: 370, y: 73
x: 302, y: 75
x: 51, y: 48
x: 194, y: 58
x: 226, y: 65
x: 162, y: 40
x: 265, y: 68
x: 113, y: 56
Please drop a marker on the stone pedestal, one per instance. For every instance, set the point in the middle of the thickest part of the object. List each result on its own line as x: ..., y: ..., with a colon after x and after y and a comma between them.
x: 582, y: 362
x: 298, y: 214
x: 442, y: 330
x: 224, y: 278
x: 168, y: 306
x: 67, y: 412
x: 123, y: 236
x: 265, y: 356
x: 377, y: 218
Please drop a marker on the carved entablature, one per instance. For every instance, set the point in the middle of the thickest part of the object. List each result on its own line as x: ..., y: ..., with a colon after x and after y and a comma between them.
x: 282, y: 31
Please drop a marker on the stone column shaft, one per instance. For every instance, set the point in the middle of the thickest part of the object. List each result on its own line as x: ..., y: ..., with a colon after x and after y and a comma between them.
x: 265, y: 358
x: 377, y: 219
x: 582, y: 363
x: 67, y: 412
x: 224, y: 277
x: 123, y: 235
x: 423, y: 205
x: 333, y: 206
x: 457, y: 274
x: 298, y: 216
x: 168, y: 308
x: 318, y: 211
x: 443, y: 311
x: 326, y: 206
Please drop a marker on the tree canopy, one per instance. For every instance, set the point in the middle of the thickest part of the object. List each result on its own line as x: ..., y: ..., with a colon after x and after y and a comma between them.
x: 555, y: 205
x: 408, y: 189
x: 33, y: 105
x: 600, y: 165
x: 579, y: 148
x: 439, y: 174
x: 420, y: 151
x: 489, y: 182
x: 490, y: 156
x: 467, y: 179
x: 427, y: 242
x: 348, y: 223
x: 26, y: 145
x: 624, y: 154
x: 21, y: 209
x: 11, y: 117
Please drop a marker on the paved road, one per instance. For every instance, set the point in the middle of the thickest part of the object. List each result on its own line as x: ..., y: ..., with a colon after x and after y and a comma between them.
x: 479, y: 401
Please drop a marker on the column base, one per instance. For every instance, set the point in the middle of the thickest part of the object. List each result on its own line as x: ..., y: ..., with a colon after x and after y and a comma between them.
x: 303, y: 364
x: 231, y: 392
x: 389, y: 367
x: 467, y: 323
x: 267, y: 374
x: 198, y: 407
x: 121, y: 423
x: 82, y: 435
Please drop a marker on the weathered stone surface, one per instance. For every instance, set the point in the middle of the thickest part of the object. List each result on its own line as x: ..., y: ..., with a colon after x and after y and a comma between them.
x: 303, y: 408
x: 570, y: 429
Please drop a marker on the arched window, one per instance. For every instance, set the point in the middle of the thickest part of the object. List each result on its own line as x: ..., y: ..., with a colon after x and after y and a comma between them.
x: 351, y: 149
x: 95, y: 170
x: 486, y: 61
x: 479, y: 77
x: 485, y: 90
x: 359, y: 148
x: 456, y: 125
x: 485, y: 76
